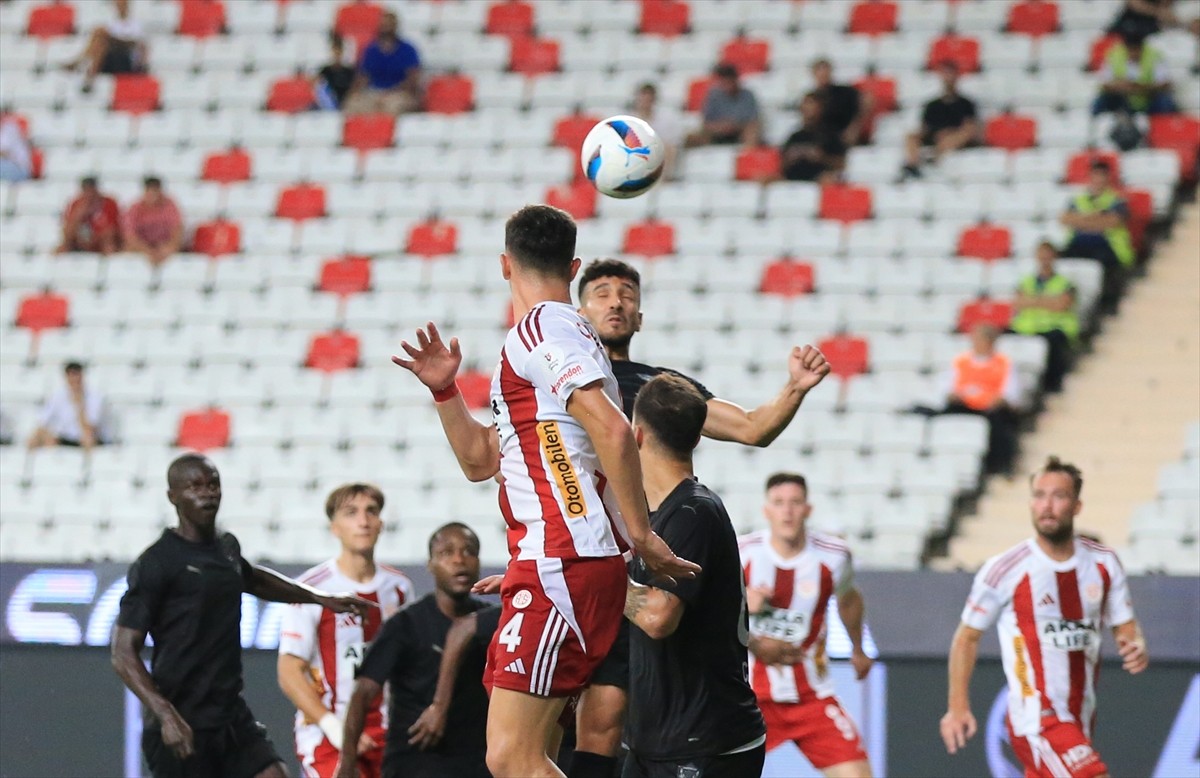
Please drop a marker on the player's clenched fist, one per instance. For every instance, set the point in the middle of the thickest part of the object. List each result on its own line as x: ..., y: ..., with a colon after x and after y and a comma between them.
x: 807, y: 367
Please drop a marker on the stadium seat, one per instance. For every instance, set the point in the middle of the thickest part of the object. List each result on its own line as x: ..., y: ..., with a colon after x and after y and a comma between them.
x: 1033, y: 17
x: 1099, y: 51
x: 226, y: 167
x: 534, y: 56
x: 748, y: 55
x: 331, y: 352
x: 1141, y: 212
x: 510, y: 18
x: 359, y: 21
x: 300, y: 202
x: 345, y: 275
x: 43, y: 311
x: 366, y: 132
x: 570, y: 131
x: 667, y: 18
x: 201, y: 18
x: 649, y: 239
x: 696, y: 92
x: 845, y: 203
x: 432, y: 239
x: 848, y: 355
x: 476, y: 389
x: 51, y: 20
x: 962, y: 50
x: 873, y: 17
x: 291, y: 95
x: 787, y: 277
x: 217, y: 238
x: 998, y: 313
x: 757, y: 164
x: 1078, y: 164
x: 577, y: 198
x: 449, y: 94
x: 203, y: 430
x: 985, y: 241
x: 1011, y: 131
x: 135, y: 93
x: 1181, y: 134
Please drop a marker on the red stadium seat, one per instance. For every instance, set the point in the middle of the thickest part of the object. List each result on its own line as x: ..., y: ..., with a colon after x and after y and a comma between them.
x: 697, y: 91
x: 847, y: 355
x: 664, y: 17
x: 432, y: 239
x: 1100, y: 50
x: 748, y: 55
x: 757, y: 164
x: 51, y: 20
x: 1010, y: 131
x: 1180, y: 133
x: 476, y: 389
x: 332, y: 352
x: 882, y: 90
x: 570, y: 131
x: 135, y: 93
x: 365, y: 132
x: 449, y: 94
x: 995, y: 312
x: 202, y: 430
x: 511, y: 18
x: 217, y: 238
x: 225, y: 167
x: 1141, y: 213
x: 359, y: 21
x: 291, y: 95
x: 533, y: 56
x: 577, y: 199
x: 649, y: 239
x: 301, y: 202
x: 1078, y: 164
x: 873, y: 17
x: 45, y: 311
x: 845, y: 203
x: 1033, y: 17
x: 985, y: 241
x: 959, y: 49
x: 201, y: 18
x: 787, y: 278
x: 38, y: 163
x: 21, y: 120
x: 345, y: 275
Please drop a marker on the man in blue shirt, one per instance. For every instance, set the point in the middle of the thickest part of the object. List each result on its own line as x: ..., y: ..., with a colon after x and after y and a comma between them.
x: 389, y: 73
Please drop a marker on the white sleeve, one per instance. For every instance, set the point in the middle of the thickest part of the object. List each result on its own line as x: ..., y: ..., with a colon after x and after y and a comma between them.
x: 984, y: 603
x: 845, y: 576
x: 298, y: 631
x: 1012, y: 386
x: 560, y: 365
x: 1119, y: 609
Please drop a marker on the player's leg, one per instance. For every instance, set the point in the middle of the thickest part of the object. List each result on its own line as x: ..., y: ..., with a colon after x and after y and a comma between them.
x: 520, y: 732
x: 830, y: 740
x: 598, y: 729
x: 860, y: 768
x: 1062, y: 749
x: 248, y: 751
x: 276, y: 770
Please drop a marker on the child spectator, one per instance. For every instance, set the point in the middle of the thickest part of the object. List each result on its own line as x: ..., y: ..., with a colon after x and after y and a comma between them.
x: 153, y: 225
x: 91, y: 221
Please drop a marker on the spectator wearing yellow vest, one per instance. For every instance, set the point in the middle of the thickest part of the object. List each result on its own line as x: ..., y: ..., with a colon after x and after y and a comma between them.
x: 1134, y: 79
x: 1098, y: 219
x: 1045, y: 305
x: 984, y: 382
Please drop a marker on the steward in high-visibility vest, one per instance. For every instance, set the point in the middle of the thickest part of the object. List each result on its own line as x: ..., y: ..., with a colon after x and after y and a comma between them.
x: 1034, y: 320
x: 1119, y: 239
x: 980, y: 381
x: 1118, y: 61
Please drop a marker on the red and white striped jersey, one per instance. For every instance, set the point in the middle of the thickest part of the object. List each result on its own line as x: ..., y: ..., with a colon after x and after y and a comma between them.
x: 801, y: 587
x: 333, y: 644
x: 553, y: 492
x: 1051, y: 616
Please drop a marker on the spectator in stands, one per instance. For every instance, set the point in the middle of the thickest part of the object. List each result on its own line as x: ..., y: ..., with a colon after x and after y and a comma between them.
x: 844, y: 108
x: 117, y: 47
x: 985, y: 383
x: 1098, y: 218
x: 1134, y: 79
x: 91, y: 221
x: 730, y: 112
x: 814, y: 152
x: 153, y: 225
x: 6, y: 429
x: 75, y: 415
x: 948, y: 123
x: 335, y: 80
x: 1045, y: 305
x: 16, y: 158
x: 665, y: 121
x: 1144, y: 17
x: 389, y: 74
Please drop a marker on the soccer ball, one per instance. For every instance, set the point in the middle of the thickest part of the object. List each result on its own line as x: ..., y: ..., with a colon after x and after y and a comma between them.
x: 622, y: 156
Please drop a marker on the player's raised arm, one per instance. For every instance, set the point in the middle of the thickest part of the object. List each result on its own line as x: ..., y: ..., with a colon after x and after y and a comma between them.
x: 958, y: 725
x: 760, y: 426
x: 266, y: 584
x: 476, y: 446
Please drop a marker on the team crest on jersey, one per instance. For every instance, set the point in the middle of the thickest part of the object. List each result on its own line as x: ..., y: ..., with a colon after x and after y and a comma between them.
x: 522, y: 599
x: 1093, y: 592
x: 807, y: 587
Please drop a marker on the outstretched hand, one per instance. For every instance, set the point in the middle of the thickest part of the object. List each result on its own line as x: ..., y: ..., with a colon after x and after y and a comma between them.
x: 807, y: 367
x: 661, y: 560
x: 488, y: 585
x: 348, y: 603
x: 432, y: 362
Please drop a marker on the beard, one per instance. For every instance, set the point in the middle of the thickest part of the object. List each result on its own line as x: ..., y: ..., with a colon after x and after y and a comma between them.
x: 1061, y: 534
x: 617, y: 342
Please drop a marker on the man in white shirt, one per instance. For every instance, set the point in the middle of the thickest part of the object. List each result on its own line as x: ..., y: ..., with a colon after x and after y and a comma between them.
x: 117, y: 47
x: 74, y: 415
x: 665, y: 121
x: 16, y: 158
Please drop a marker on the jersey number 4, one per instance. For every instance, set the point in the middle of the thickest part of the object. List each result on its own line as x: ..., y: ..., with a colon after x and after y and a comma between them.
x: 510, y: 636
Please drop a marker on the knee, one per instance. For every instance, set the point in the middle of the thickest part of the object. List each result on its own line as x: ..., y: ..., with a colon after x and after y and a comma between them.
x: 506, y: 757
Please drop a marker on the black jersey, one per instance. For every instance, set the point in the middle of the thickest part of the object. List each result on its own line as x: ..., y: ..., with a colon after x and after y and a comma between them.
x: 188, y: 597
x: 632, y: 376
x: 407, y: 653
x: 689, y: 693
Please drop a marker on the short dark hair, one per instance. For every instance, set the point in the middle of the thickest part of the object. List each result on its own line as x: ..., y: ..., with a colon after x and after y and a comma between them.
x: 819, y: 61
x: 335, y: 40
x: 1048, y: 244
x: 73, y: 367
x: 458, y: 525
x: 541, y: 238
x: 607, y: 268
x: 184, y: 464
x: 725, y: 70
x: 89, y: 181
x: 346, y: 492
x: 152, y: 181
x: 647, y: 86
x: 776, y: 479
x: 947, y: 64
x: 1099, y: 163
x: 674, y: 411
x: 1055, y: 465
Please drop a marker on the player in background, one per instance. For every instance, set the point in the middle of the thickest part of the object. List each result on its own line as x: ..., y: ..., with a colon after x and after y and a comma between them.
x: 320, y: 651
x: 570, y: 490
x: 691, y: 709
x: 610, y: 294
x: 406, y: 655
x: 791, y: 572
x: 1051, y: 597
x: 185, y: 591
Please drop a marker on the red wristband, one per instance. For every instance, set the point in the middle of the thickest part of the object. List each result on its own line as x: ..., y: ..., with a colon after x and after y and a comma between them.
x: 446, y: 393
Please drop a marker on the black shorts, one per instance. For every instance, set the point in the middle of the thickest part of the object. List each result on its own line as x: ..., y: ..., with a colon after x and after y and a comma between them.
x: 118, y: 59
x: 241, y: 749
x: 614, y: 670
x: 417, y: 764
x: 747, y: 764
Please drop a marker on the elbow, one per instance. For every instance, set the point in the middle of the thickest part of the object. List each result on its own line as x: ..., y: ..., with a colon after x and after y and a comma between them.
x: 658, y: 629
x: 477, y: 473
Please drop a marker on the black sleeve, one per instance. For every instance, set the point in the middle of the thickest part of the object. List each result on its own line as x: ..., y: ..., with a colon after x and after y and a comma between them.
x: 487, y: 621
x: 147, y: 588
x: 689, y: 533
x: 792, y: 140
x: 234, y: 548
x: 834, y: 147
x: 699, y: 386
x: 927, y: 114
x: 970, y: 110
x: 386, y: 651
x: 853, y: 102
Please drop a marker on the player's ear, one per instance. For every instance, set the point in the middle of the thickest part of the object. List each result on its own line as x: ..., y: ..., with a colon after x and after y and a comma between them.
x: 637, y: 325
x: 639, y: 435
x: 505, y: 266
x: 575, y: 265
x: 1078, y: 507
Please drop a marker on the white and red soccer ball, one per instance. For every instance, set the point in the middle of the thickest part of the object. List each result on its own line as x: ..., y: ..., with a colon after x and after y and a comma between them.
x: 622, y: 156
